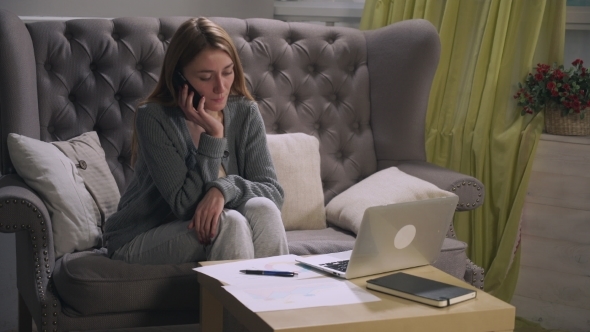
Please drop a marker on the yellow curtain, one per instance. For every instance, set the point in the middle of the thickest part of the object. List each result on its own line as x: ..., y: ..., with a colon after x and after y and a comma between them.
x: 473, y: 124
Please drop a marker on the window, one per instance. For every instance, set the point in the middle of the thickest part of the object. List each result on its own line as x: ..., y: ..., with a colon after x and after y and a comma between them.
x: 577, y: 34
x: 335, y: 12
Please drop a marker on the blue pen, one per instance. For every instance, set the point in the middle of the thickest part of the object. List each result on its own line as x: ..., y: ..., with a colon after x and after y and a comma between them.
x: 270, y: 273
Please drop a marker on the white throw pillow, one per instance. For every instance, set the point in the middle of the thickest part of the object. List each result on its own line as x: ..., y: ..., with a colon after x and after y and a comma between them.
x: 296, y: 158
x: 75, y: 215
x: 98, y: 179
x: 382, y: 188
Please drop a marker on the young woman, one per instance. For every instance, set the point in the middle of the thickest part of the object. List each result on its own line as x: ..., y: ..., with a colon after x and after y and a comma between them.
x: 204, y: 187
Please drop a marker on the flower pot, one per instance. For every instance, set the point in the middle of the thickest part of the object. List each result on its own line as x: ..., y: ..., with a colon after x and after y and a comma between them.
x: 569, y: 125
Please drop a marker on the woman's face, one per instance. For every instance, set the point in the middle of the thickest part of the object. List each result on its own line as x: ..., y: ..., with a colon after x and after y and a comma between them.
x: 211, y: 73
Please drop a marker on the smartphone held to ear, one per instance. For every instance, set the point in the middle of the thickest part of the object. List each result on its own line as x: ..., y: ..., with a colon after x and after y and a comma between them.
x: 179, y: 81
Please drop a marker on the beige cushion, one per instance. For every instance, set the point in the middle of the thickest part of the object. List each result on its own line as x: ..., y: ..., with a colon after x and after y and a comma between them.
x: 382, y: 188
x: 296, y: 158
x: 97, y: 176
x: 76, y: 215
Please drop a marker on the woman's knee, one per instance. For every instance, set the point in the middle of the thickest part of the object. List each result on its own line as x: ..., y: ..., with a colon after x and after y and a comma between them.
x: 232, y: 219
x: 260, y: 208
x: 234, y: 238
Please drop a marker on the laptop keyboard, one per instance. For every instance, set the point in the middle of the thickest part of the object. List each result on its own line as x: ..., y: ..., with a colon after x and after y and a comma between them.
x: 338, y: 266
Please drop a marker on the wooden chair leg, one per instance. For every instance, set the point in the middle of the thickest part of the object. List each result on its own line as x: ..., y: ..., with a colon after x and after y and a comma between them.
x: 25, y: 321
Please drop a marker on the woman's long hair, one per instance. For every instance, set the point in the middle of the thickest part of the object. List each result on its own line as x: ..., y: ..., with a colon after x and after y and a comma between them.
x: 190, y: 39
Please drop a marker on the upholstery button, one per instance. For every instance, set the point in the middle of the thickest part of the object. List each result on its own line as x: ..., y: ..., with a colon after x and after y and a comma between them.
x: 310, y: 68
x: 92, y: 66
x: 161, y: 37
x: 50, y: 129
x: 356, y: 125
x: 68, y: 36
x: 275, y: 127
x: 351, y: 69
x: 72, y: 98
x: 246, y: 38
x: 292, y: 98
x: 330, y: 41
x: 139, y: 66
x: 47, y: 66
x: 116, y: 36
x: 271, y: 68
x: 289, y: 41
x: 333, y: 97
x: 338, y: 155
x: 316, y: 126
x: 117, y: 97
x: 225, y: 154
x: 82, y: 164
x: 121, y: 159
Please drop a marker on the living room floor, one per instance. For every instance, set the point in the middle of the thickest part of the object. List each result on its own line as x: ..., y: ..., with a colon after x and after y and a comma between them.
x: 523, y: 325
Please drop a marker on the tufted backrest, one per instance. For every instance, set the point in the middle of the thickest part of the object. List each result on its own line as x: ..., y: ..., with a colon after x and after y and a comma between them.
x: 306, y: 78
x: 89, y: 75
x: 312, y: 79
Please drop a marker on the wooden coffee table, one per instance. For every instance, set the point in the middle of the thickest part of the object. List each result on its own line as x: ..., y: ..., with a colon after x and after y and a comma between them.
x: 484, y: 313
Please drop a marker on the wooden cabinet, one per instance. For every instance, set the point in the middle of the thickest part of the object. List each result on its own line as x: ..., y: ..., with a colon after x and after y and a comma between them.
x: 553, y: 288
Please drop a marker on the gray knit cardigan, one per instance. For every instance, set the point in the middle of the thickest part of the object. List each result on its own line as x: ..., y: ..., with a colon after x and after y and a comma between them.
x: 172, y: 175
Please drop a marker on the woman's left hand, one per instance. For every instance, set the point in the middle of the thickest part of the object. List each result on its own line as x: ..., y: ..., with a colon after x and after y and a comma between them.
x: 206, y: 217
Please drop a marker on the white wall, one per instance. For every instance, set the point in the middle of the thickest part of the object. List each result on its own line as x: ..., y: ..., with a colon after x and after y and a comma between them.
x: 157, y: 8
x: 105, y: 8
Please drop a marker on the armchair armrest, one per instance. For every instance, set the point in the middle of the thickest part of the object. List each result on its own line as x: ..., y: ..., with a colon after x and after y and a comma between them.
x: 469, y: 189
x: 23, y: 212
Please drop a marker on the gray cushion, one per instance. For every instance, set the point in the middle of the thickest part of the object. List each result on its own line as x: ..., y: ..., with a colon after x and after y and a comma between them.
x: 322, y: 241
x: 453, y: 258
x: 86, y: 281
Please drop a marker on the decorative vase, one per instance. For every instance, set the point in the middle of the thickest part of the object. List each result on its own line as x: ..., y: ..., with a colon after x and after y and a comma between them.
x: 568, y: 125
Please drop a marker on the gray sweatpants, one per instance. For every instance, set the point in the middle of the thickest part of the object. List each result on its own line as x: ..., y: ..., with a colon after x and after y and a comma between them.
x: 254, y: 230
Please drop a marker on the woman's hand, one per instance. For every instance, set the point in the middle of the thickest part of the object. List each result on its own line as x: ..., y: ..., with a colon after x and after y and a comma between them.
x: 199, y: 116
x: 206, y: 217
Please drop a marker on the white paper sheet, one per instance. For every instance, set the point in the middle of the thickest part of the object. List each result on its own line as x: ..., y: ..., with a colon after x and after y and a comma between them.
x: 301, y: 294
x: 229, y: 273
x: 309, y: 288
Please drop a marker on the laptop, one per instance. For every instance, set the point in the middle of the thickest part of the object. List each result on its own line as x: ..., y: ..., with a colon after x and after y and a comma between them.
x: 392, y: 237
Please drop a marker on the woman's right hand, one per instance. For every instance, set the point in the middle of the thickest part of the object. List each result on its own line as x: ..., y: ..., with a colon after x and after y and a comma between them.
x: 199, y: 116
x: 206, y: 218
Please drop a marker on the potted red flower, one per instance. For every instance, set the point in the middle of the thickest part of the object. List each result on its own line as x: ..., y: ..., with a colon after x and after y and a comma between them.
x: 563, y: 94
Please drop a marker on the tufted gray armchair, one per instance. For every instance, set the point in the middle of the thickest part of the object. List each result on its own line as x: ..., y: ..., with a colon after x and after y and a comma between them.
x: 350, y: 89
